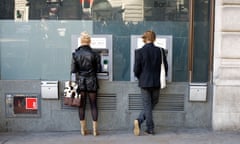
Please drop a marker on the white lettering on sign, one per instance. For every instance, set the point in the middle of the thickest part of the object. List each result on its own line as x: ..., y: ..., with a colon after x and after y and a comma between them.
x: 100, y: 43
x: 97, y: 43
x: 160, y: 42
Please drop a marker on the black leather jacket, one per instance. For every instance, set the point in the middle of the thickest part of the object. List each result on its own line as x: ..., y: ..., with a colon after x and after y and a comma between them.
x: 85, y: 62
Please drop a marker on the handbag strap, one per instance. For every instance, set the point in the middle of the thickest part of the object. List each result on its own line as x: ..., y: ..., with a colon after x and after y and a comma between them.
x: 70, y: 79
x: 161, y: 54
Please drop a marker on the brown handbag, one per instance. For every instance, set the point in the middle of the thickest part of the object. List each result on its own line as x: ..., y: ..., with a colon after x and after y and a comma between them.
x: 76, y: 100
x: 70, y: 91
x: 67, y: 101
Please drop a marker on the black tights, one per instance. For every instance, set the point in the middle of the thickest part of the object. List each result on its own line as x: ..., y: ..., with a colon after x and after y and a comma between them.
x: 93, y: 103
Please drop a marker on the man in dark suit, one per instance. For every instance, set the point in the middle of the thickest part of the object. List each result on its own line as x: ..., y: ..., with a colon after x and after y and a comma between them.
x: 147, y: 68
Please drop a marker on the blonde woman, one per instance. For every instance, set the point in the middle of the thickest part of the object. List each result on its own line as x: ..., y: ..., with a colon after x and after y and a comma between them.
x: 85, y: 64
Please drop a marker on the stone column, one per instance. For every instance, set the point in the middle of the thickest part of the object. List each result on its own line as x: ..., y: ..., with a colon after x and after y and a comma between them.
x: 226, y: 72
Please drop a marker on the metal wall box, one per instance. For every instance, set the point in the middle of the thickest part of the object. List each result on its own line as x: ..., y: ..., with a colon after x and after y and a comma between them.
x: 22, y: 105
x: 198, y: 92
x: 49, y: 89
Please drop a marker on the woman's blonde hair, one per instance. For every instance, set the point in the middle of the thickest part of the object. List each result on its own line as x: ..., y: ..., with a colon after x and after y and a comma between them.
x: 85, y: 38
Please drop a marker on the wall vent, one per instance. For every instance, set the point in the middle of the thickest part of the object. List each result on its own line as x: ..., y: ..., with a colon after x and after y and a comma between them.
x: 104, y: 102
x: 167, y: 102
x: 135, y: 102
x: 107, y: 101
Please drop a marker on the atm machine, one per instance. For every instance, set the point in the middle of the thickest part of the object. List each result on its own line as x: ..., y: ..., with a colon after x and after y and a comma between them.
x: 164, y: 41
x: 101, y: 44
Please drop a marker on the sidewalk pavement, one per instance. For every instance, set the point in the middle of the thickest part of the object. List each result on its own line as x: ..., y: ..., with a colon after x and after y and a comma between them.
x: 181, y: 136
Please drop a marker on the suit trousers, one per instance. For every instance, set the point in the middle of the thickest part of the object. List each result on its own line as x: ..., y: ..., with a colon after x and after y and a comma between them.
x: 150, y: 97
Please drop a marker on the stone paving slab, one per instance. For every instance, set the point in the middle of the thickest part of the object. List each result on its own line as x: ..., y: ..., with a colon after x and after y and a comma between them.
x: 123, y: 137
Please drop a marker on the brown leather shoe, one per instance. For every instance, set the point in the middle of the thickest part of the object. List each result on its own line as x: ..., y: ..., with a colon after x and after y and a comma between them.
x: 149, y: 132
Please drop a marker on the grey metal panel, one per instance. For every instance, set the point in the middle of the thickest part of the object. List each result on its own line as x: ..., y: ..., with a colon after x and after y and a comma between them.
x: 167, y: 102
x: 135, y: 102
x: 104, y: 102
x: 170, y: 102
x: 107, y: 101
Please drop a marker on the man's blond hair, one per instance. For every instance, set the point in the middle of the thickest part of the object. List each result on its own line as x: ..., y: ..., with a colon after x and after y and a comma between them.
x: 149, y: 36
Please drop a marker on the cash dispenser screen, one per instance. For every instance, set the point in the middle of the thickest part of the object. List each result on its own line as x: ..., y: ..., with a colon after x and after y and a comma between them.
x: 104, y: 61
x: 102, y: 45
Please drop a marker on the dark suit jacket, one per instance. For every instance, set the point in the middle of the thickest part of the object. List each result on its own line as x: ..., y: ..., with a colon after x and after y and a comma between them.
x: 147, y: 65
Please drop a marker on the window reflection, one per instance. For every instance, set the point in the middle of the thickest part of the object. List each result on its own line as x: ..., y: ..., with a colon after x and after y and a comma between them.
x: 60, y: 19
x: 166, y: 10
x: 108, y: 10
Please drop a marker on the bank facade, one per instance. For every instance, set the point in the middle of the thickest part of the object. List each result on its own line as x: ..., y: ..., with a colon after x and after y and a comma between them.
x: 200, y: 38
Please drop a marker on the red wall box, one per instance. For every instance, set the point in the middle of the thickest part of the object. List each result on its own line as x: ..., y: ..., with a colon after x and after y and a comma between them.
x: 31, y: 103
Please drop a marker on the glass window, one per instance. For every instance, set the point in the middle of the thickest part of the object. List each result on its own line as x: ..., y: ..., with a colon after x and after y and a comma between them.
x: 201, y: 41
x: 40, y: 47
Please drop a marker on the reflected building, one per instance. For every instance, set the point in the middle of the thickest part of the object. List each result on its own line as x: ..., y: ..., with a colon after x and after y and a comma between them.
x: 102, y: 10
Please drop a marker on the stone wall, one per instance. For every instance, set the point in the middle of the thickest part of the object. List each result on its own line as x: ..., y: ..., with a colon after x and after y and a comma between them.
x: 226, y: 76
x: 119, y: 104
